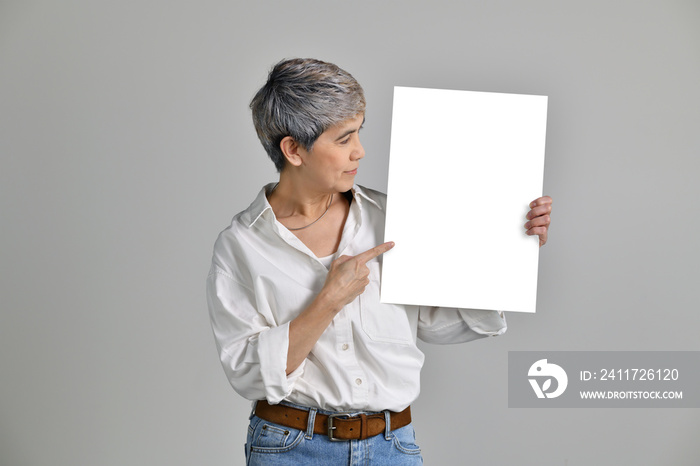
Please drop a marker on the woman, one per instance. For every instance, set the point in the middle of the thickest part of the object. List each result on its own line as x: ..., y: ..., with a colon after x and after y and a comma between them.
x: 294, y: 289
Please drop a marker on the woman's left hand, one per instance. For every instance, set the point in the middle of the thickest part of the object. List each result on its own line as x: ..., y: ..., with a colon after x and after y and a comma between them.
x: 539, y: 218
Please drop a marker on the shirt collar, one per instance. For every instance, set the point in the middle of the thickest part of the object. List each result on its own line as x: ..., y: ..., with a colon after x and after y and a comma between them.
x: 261, y: 205
x: 360, y: 192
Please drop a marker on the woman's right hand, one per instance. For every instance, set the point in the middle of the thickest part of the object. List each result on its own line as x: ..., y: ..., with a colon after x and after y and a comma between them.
x: 346, y: 280
x: 349, y: 275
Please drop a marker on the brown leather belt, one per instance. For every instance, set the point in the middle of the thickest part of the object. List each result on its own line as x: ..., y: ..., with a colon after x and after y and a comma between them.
x: 335, y: 426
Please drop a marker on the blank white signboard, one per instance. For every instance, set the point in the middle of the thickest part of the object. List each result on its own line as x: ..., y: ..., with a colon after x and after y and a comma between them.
x: 463, y: 168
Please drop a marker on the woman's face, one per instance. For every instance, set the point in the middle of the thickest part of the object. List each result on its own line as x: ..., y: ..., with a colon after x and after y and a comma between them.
x: 332, y: 163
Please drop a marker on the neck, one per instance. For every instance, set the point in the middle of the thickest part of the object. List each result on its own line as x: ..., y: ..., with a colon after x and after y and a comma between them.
x: 291, y: 198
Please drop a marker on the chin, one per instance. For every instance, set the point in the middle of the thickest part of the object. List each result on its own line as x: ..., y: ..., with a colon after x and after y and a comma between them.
x: 345, y: 185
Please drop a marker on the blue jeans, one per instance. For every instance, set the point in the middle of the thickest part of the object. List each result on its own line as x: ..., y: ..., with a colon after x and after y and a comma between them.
x: 274, y: 444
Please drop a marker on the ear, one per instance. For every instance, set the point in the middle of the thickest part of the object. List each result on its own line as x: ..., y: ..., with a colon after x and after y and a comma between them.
x: 292, y: 151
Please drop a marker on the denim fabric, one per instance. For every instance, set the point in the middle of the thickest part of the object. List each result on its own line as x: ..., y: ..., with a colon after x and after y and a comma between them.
x: 273, y: 444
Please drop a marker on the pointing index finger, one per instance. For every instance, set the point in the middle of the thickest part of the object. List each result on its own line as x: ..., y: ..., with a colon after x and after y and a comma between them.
x: 376, y: 251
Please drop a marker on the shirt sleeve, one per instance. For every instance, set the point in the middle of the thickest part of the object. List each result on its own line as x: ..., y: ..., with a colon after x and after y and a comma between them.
x: 442, y: 325
x: 253, y: 350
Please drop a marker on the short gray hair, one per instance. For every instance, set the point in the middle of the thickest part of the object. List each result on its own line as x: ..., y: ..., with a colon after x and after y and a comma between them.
x: 302, y: 98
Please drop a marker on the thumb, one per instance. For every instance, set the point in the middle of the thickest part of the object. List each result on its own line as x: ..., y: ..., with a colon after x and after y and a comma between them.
x: 342, y: 259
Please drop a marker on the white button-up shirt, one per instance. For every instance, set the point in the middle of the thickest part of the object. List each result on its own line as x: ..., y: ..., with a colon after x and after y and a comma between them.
x: 262, y: 277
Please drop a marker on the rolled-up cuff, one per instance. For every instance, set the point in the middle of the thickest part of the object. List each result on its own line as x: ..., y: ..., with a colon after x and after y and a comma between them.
x: 273, y: 345
x: 491, y: 323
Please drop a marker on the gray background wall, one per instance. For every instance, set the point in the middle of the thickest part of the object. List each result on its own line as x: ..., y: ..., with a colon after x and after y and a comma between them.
x: 126, y: 146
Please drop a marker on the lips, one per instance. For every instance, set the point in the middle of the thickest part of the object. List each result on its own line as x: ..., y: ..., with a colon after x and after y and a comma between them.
x: 351, y: 172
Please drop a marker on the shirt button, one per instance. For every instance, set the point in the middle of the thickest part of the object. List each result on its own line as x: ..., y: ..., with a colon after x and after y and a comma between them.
x: 345, y: 346
x: 358, y: 381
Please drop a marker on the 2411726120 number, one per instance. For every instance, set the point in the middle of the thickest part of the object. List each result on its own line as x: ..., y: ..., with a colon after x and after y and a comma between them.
x: 638, y: 374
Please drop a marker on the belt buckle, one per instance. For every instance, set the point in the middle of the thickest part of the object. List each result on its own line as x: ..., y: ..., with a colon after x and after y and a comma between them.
x: 331, y: 428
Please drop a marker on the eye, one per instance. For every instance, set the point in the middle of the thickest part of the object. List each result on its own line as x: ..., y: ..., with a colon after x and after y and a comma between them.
x: 345, y: 141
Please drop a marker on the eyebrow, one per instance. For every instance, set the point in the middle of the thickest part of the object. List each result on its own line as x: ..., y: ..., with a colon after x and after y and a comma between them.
x: 350, y: 131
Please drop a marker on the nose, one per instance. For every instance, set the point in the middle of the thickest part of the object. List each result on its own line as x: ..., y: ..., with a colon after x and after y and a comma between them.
x: 358, y: 151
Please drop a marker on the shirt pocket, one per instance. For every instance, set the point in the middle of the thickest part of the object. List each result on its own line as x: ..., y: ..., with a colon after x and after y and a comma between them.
x: 382, y: 322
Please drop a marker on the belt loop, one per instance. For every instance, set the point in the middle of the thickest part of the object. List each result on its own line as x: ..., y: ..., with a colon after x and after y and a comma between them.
x: 363, y: 426
x: 387, y: 425
x: 310, y: 424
